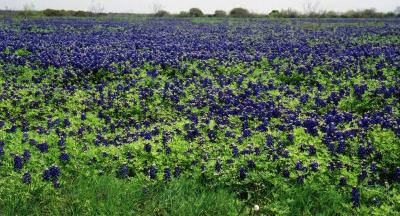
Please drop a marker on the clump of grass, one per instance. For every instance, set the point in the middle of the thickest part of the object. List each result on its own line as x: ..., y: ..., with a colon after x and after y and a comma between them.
x: 309, y: 199
x: 106, y: 195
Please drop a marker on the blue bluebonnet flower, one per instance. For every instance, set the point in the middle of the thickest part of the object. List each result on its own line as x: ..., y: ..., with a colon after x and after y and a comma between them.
x: 251, y: 164
x: 26, y: 178
x: 246, y: 133
x: 123, y: 171
x: 300, y: 179
x: 242, y: 172
x: 269, y: 142
x: 362, y: 152
x: 153, y: 172
x: 167, y: 174
x: 83, y: 116
x: 129, y: 155
x: 341, y: 147
x: 56, y: 184
x: 314, y: 165
x: 355, y: 196
x: 46, y: 175
x: 397, y: 174
x: 61, y: 142
x: 311, y: 126
x: 212, y: 135
x: 147, y: 148
x: 311, y: 150
x: 331, y: 166
x: 286, y: 173
x: 26, y: 155
x: 374, y: 167
x: 18, y: 162
x: 235, y: 151
x: 64, y: 157
x: 203, y: 168
x: 54, y: 171
x: 362, y: 175
x: 167, y: 150
x: 218, y: 166
x: 43, y: 147
x: 342, y: 181
x: 177, y: 171
x: 299, y: 165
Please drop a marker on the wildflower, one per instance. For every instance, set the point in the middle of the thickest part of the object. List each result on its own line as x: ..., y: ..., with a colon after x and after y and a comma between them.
x: 177, y: 172
x: 251, y: 164
x: 242, y: 172
x: 43, y: 147
x: 64, y: 157
x: 299, y: 165
x: 300, y: 180
x: 26, y: 155
x: 218, y: 166
x: 256, y: 208
x: 153, y: 172
x: 26, y: 178
x: 314, y: 165
x: 147, y: 148
x: 286, y: 173
x: 355, y: 197
x: 123, y: 171
x: 18, y: 162
x: 342, y: 181
x: 167, y: 174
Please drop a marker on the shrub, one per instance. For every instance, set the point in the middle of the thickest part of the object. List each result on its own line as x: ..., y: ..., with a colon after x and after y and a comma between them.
x: 239, y: 12
x: 161, y: 13
x: 220, y: 13
x: 183, y: 14
x: 195, y: 12
x: 274, y: 13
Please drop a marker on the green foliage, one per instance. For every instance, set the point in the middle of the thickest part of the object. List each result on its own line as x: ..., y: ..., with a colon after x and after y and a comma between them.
x: 21, y: 52
x: 106, y: 195
x: 195, y: 12
x: 62, y: 13
x: 161, y: 13
x: 220, y: 13
x: 308, y: 199
x: 239, y: 12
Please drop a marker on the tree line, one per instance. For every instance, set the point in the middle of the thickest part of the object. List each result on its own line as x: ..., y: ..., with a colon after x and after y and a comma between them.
x: 286, y: 13
x: 236, y: 12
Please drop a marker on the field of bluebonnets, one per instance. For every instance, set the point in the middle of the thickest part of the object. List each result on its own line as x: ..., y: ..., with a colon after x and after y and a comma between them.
x: 296, y: 116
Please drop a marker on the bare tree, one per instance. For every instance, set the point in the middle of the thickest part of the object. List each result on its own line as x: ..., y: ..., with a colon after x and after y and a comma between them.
x: 96, y: 7
x: 397, y: 10
x: 310, y: 7
x: 28, y: 9
x: 157, y: 7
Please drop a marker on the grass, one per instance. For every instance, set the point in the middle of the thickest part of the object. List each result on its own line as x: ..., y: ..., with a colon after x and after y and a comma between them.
x: 106, y: 195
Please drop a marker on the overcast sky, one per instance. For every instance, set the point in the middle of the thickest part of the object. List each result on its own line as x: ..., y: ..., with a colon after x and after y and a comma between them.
x: 208, y: 6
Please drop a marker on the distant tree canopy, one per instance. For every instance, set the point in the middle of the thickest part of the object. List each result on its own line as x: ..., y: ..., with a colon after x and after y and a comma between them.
x: 183, y: 14
x: 195, y: 12
x: 367, y: 13
x: 61, y: 13
x: 220, y: 13
x: 239, y: 12
x: 274, y: 13
x: 161, y: 13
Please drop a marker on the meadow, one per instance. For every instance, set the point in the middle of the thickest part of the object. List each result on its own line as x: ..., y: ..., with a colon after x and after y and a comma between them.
x: 203, y: 116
